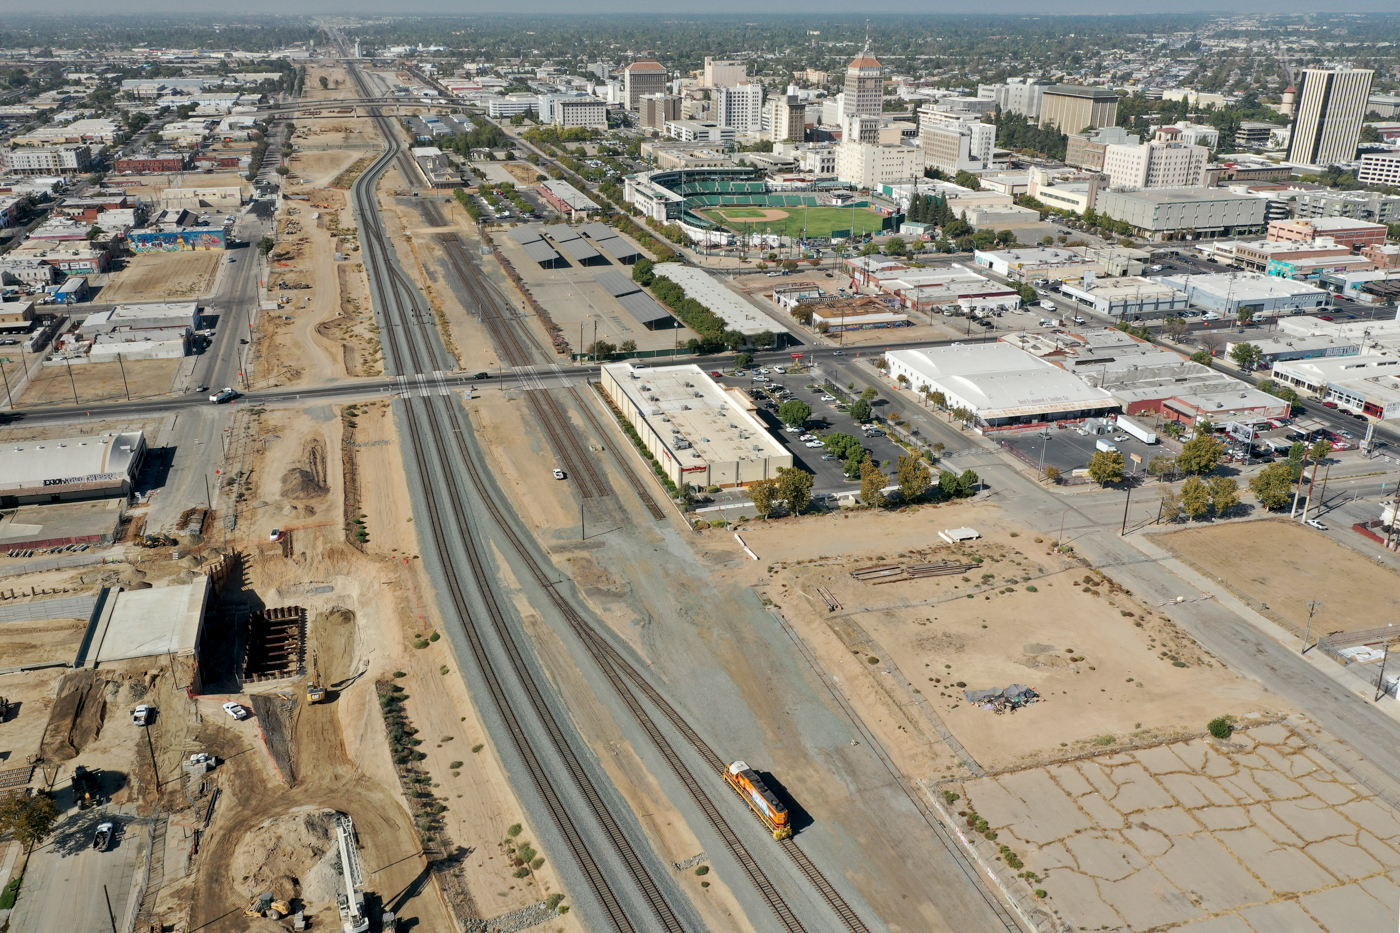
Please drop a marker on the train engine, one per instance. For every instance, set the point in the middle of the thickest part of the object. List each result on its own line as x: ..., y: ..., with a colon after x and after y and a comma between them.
x: 762, y: 801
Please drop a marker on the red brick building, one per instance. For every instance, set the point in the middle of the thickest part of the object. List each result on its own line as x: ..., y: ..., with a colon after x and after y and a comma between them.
x: 153, y: 162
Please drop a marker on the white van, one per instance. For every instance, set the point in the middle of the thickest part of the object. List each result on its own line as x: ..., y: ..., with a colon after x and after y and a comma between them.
x: 1048, y: 305
x: 1210, y: 316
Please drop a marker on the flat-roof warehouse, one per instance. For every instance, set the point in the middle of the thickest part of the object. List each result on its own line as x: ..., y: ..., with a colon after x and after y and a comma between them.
x: 64, y: 469
x: 699, y: 431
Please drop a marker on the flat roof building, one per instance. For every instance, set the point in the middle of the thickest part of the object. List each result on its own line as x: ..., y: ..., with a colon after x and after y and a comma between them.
x: 1001, y: 384
x: 1164, y: 213
x: 1060, y: 263
x: 566, y: 199
x: 1072, y: 107
x: 1129, y: 298
x: 1366, y: 384
x: 738, y: 314
x: 156, y: 315
x: 64, y: 469
x: 1229, y: 294
x: 699, y: 431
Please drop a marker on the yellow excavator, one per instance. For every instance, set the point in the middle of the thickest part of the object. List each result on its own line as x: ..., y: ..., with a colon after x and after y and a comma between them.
x: 265, y: 905
x: 315, y: 690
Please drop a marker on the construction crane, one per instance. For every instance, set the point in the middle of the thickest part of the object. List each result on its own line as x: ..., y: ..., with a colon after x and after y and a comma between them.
x: 315, y: 690
x: 352, y: 901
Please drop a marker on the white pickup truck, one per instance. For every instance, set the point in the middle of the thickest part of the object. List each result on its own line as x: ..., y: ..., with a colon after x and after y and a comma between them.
x: 223, y: 395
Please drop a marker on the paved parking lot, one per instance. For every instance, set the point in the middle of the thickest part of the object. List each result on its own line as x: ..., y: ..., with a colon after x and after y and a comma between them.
x: 1067, y: 450
x: 825, y: 420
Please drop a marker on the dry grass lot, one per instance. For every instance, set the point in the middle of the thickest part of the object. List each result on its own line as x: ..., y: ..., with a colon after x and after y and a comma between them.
x: 163, y: 277
x: 1109, y: 669
x: 100, y: 382
x: 1280, y: 566
x: 1258, y: 834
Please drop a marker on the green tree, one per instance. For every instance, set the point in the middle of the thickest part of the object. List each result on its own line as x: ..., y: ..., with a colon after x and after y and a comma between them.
x: 843, y: 446
x: 872, y: 481
x: 1247, y: 356
x: 94, y: 232
x: 1195, y: 498
x: 968, y: 483
x: 1200, y: 455
x: 913, y: 477
x: 764, y: 339
x: 870, y: 394
x: 600, y: 350
x: 1174, y: 327
x: 325, y: 83
x: 1224, y: 494
x: 802, y: 314
x: 967, y: 180
x: 795, y: 488
x: 628, y: 347
x: 1162, y: 465
x: 1106, y: 466
x: 1273, y: 486
x: 1244, y: 315
x: 1319, y: 450
x: 1171, y: 505
x: 948, y: 484
x: 938, y: 398
x: 896, y: 246
x: 1052, y: 474
x: 789, y: 265
x: 764, y: 495
x: 1202, y: 357
x: 743, y: 360
x: 860, y: 410
x: 642, y: 272
x: 794, y: 412
x: 28, y: 819
x: 870, y: 249
x: 266, y: 244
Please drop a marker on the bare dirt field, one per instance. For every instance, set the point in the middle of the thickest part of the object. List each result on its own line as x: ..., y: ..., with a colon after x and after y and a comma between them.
x: 101, y: 382
x: 524, y: 173
x: 150, y: 186
x: 1279, y: 566
x: 1109, y: 669
x: 162, y: 276
x: 39, y: 642
x: 1256, y: 834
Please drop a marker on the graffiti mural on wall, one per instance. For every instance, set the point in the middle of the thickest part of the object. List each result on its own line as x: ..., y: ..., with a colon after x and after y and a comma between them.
x: 175, y: 241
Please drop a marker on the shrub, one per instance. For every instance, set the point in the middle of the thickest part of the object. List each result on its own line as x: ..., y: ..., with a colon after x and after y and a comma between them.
x: 1032, y: 589
x: 434, y: 637
x: 515, y: 830
x: 476, y: 748
x: 400, y: 673
x: 1041, y: 893
x: 872, y: 660
x: 1220, y: 727
x: 553, y: 900
x: 455, y: 765
x: 703, y: 870
x: 420, y: 643
x: 1105, y: 740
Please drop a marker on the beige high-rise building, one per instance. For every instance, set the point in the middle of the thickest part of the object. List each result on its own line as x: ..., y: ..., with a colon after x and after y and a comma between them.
x: 865, y: 90
x: 785, y: 119
x: 1072, y: 108
x: 658, y: 109
x: 720, y: 73
x: 1328, y: 113
x: 642, y: 77
x: 1156, y: 164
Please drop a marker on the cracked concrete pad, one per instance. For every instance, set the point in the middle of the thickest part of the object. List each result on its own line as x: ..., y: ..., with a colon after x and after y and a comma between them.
x: 1241, y: 786
x: 1159, y: 760
x: 1279, y: 916
x: 1343, y: 859
x: 1275, y: 830
x: 1103, y: 857
x: 1284, y: 869
x: 1098, y: 777
x: 1069, y: 778
x: 1031, y: 803
x: 1346, y: 909
x: 1147, y: 900
x: 1275, y: 733
x: 1225, y: 923
x: 1099, y: 810
x: 1173, y: 821
x: 1050, y: 857
x: 1276, y: 759
x: 1277, y: 785
x: 1091, y: 912
x: 1202, y: 866
x: 1382, y: 889
x: 1223, y: 817
x: 1216, y: 765
x: 1380, y: 851
x: 1148, y: 841
x: 1375, y: 816
x: 1332, y: 792
x: 1192, y: 754
x: 1193, y: 790
x: 1137, y: 790
x: 1311, y: 819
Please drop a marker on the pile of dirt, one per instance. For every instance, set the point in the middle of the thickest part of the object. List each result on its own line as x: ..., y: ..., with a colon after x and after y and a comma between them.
x: 128, y: 578
x: 77, y: 716
x: 288, y: 856
x: 307, y: 478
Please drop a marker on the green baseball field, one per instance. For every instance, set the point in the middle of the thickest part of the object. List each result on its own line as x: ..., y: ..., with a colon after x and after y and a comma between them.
x: 791, y: 221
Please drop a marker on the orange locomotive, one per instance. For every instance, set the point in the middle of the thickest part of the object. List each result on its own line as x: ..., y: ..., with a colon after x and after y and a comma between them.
x: 761, y: 800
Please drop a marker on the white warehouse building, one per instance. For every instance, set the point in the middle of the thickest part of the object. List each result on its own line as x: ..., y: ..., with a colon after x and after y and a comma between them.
x: 1001, y: 384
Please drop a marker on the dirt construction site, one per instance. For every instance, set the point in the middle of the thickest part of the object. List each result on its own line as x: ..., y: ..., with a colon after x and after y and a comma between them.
x: 162, y: 276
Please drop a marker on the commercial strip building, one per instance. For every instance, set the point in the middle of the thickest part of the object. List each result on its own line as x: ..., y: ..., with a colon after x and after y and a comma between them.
x: 1129, y: 298
x: 65, y: 469
x: 1060, y: 264
x: 1366, y: 384
x: 1169, y: 213
x: 156, y: 315
x: 700, y: 432
x: 1288, y: 347
x: 1001, y: 384
x: 736, y: 311
x: 1340, y: 230
x: 1230, y: 293
x: 566, y: 199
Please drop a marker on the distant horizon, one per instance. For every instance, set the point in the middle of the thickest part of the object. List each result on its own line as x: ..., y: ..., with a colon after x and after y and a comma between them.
x: 605, y: 8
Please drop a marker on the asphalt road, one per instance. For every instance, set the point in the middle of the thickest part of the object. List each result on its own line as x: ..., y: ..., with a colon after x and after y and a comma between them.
x: 67, y: 886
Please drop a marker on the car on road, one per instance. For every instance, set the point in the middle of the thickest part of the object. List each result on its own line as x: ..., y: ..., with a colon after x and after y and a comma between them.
x: 1329, y: 404
x: 560, y: 474
x: 717, y: 374
x: 838, y: 353
x: 1120, y: 438
x: 225, y: 394
x: 1325, y: 317
x: 1078, y: 320
x: 201, y: 388
x: 235, y: 710
x: 482, y: 376
x: 1346, y: 434
x: 1358, y: 416
x: 102, y: 839
x: 1314, y: 523
x: 141, y: 715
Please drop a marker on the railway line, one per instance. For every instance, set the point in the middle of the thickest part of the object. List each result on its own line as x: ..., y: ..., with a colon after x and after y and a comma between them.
x: 439, y: 442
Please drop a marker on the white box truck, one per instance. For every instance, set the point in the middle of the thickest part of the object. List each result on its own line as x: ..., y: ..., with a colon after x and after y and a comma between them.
x: 1105, y: 445
x: 1136, y: 429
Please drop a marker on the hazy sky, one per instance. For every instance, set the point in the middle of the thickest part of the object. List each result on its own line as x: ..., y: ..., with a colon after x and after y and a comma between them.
x: 221, y: 8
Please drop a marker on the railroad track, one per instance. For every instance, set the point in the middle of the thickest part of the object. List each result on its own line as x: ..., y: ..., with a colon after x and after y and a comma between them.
x: 408, y: 350
x: 432, y: 426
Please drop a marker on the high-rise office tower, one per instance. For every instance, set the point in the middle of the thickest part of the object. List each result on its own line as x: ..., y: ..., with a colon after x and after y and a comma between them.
x: 864, y: 86
x: 1329, y: 108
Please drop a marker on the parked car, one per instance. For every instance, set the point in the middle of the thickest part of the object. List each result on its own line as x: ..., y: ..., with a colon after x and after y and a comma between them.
x: 141, y: 716
x: 235, y: 710
x: 828, y: 456
x: 814, y: 444
x: 102, y: 839
x: 717, y: 375
x: 276, y: 534
x: 1329, y: 404
x: 828, y: 398
x: 1314, y: 523
x: 560, y: 474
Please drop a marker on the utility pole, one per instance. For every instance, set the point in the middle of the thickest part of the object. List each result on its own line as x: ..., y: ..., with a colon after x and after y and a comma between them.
x: 124, y: 383
x: 1126, y: 501
x: 1380, y: 681
x: 8, y: 397
x: 1312, y: 484
x: 1307, y: 632
x: 70, y: 380
x: 1322, y: 496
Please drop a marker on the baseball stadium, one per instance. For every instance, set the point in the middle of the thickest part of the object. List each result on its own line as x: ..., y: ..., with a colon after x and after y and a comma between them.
x: 733, y: 200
